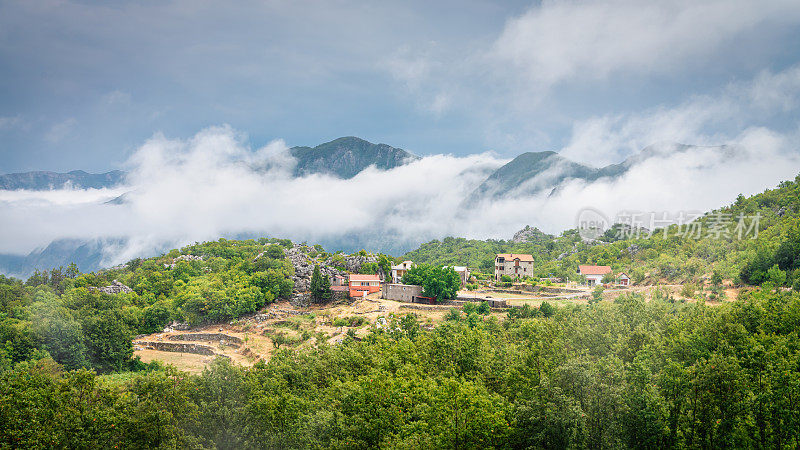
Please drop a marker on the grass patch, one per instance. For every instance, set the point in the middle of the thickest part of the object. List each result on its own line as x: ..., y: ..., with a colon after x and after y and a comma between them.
x: 352, y: 321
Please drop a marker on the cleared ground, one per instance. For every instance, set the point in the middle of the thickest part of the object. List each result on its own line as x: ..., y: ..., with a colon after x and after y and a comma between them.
x: 293, y: 328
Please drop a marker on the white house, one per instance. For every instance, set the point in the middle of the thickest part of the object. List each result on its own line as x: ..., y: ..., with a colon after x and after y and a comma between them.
x: 594, y: 274
x: 623, y: 279
x: 399, y: 270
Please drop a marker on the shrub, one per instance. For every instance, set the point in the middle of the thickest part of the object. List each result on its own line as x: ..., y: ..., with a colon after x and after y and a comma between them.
x: 453, y: 314
x: 597, y: 295
x: 353, y: 321
x: 547, y: 309
x: 275, y: 252
x: 469, y: 308
x: 525, y: 312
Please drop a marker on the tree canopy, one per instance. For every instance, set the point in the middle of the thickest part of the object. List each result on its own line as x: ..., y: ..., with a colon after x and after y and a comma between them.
x: 439, y: 282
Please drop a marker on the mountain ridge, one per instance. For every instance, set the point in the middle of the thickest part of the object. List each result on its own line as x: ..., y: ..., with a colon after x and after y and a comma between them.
x: 344, y: 157
x: 532, y: 173
x: 45, y: 180
x: 347, y: 156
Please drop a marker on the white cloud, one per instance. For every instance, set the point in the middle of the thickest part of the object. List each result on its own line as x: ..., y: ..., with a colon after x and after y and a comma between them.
x: 775, y: 91
x: 577, y: 39
x: 700, y: 120
x: 9, y: 122
x: 117, y: 97
x: 60, y: 130
x: 416, y: 71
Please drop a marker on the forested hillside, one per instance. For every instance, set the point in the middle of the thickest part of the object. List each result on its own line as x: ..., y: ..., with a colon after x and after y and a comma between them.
x: 679, y: 255
x: 64, y: 314
x: 631, y: 374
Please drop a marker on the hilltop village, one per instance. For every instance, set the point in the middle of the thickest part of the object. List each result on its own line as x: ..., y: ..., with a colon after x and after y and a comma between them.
x: 339, y: 296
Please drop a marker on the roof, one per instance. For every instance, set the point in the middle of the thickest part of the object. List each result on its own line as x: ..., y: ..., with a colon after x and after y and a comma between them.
x: 623, y: 274
x: 362, y: 277
x: 512, y: 256
x: 340, y: 288
x: 594, y: 270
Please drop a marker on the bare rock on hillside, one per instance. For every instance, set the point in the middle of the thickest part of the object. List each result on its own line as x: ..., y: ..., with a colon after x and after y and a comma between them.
x: 529, y: 234
x: 116, y: 287
x: 304, y: 267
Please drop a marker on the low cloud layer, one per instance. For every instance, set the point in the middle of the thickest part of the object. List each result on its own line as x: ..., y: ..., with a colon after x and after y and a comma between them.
x: 214, y: 184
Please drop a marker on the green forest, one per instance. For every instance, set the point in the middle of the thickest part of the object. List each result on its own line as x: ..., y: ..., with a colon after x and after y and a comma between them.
x: 630, y: 374
x: 633, y: 373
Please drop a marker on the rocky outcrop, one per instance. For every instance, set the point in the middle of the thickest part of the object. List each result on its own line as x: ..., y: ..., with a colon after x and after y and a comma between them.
x: 529, y: 234
x: 354, y: 262
x: 183, y: 258
x: 304, y: 267
x: 116, y: 287
x: 179, y: 326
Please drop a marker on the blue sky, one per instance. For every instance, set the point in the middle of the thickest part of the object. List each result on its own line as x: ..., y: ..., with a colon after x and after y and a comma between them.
x: 84, y: 84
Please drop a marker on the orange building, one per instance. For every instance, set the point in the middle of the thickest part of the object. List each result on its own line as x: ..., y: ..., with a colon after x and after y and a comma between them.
x: 360, y: 283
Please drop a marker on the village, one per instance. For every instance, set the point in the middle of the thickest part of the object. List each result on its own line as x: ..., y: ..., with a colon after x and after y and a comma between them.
x: 360, y: 302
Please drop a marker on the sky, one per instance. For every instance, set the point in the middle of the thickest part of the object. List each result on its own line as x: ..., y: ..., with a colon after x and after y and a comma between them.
x: 194, y: 98
x: 84, y: 84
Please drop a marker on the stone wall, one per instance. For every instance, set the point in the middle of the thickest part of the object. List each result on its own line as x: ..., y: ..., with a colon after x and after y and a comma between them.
x: 224, y: 339
x: 177, y: 347
x: 493, y: 302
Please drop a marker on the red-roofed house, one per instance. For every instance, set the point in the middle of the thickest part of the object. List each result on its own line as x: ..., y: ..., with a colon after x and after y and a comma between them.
x: 360, y: 283
x: 594, y: 274
x: 512, y: 264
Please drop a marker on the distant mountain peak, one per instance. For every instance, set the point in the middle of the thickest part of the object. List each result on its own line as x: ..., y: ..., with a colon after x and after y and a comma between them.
x: 532, y: 173
x: 347, y: 156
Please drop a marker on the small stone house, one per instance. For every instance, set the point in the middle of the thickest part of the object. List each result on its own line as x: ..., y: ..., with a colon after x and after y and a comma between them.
x: 512, y: 264
x: 401, y: 292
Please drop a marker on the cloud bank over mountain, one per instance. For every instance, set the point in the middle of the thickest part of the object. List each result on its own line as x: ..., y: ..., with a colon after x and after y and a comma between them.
x: 214, y: 184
